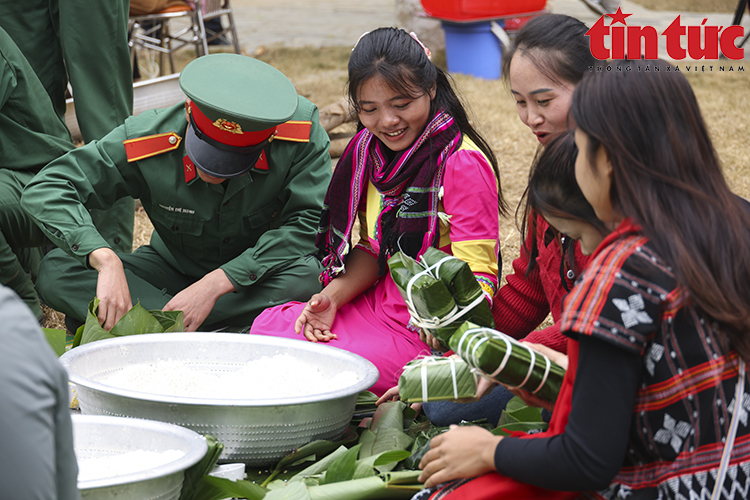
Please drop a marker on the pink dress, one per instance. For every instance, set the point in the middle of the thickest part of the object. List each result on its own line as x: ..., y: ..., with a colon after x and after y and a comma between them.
x: 375, y: 324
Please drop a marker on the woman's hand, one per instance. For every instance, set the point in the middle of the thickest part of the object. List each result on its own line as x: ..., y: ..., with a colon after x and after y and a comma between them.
x: 392, y: 395
x: 431, y: 341
x: 111, y: 287
x: 461, y: 452
x: 484, y: 387
x: 316, y: 319
x: 531, y: 399
x: 556, y: 356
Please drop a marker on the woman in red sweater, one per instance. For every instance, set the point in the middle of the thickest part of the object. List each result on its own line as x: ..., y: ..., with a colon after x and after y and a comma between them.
x: 549, y: 57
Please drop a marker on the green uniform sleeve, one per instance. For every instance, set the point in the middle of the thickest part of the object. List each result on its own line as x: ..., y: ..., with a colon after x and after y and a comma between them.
x: 7, y: 80
x: 302, y: 197
x: 93, y: 176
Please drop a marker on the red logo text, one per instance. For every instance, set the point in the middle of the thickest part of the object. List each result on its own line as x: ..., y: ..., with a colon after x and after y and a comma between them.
x: 642, y: 42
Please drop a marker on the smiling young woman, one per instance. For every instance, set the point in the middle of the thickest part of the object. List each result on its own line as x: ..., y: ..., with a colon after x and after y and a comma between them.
x: 416, y: 175
x: 396, y: 119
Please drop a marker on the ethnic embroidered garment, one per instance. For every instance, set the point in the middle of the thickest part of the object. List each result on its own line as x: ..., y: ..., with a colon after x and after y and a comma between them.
x: 375, y: 324
x: 409, y: 181
x: 629, y: 297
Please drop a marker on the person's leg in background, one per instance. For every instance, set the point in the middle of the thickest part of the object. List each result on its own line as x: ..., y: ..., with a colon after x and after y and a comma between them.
x: 21, y: 241
x: 94, y: 38
x: 214, y: 26
x: 85, y: 41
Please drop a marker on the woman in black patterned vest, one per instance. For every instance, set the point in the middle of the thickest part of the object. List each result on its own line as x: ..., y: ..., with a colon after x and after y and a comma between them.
x: 661, y: 315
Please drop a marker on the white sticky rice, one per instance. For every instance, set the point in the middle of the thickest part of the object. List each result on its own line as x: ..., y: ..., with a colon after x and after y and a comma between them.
x: 109, y: 466
x: 269, y: 377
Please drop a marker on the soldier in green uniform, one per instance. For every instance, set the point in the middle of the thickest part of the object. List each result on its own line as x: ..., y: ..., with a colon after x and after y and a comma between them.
x: 32, y: 136
x: 233, y: 182
x: 84, y: 42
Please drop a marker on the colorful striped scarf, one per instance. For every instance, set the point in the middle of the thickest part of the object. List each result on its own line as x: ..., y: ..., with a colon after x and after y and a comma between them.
x: 410, y: 182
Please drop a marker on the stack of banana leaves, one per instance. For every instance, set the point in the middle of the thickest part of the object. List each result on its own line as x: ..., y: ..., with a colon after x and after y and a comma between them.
x: 440, y: 291
x: 507, y: 361
x: 377, y: 458
x: 136, y: 321
x: 436, y: 378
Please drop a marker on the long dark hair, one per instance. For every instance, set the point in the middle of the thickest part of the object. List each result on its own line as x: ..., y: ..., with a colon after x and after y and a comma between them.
x: 552, y: 189
x: 401, y: 61
x: 556, y: 44
x: 667, y: 178
x: 558, y: 47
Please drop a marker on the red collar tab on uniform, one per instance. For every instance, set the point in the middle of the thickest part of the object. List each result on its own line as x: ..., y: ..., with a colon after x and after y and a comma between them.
x: 295, y: 131
x: 189, y: 169
x: 151, y: 145
x: 226, y: 131
x: 262, y: 163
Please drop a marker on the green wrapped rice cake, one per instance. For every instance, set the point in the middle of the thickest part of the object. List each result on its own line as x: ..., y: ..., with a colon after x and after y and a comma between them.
x: 440, y: 291
x: 435, y: 378
x: 507, y: 361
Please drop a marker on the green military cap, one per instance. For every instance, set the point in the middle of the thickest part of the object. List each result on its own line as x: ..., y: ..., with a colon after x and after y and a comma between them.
x: 235, y: 104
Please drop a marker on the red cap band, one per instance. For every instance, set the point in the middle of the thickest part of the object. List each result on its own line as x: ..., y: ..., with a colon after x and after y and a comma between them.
x: 228, y: 132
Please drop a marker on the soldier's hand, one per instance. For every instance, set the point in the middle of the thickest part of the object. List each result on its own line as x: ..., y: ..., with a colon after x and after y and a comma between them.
x: 197, y: 301
x: 111, y: 287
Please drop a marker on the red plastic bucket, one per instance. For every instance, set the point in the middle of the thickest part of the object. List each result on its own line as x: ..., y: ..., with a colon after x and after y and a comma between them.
x: 467, y: 10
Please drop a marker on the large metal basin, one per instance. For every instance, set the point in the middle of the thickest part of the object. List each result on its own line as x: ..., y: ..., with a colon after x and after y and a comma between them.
x: 97, y: 437
x: 256, y: 432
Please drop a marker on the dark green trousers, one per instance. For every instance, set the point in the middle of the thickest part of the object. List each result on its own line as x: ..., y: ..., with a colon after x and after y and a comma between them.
x: 21, y: 240
x: 84, y: 42
x: 67, y: 286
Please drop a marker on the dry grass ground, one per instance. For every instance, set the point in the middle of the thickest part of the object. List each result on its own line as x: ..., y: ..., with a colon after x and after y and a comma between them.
x: 320, y: 75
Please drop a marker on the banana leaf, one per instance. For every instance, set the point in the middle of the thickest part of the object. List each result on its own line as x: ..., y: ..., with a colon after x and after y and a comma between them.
x: 56, y: 339
x: 136, y: 321
x: 461, y: 282
x: 517, y: 416
x: 398, y: 270
x: 320, y: 466
x: 444, y: 288
x: 343, y: 468
x: 365, y: 406
x: 219, y: 488
x: 427, y: 298
x: 442, y: 378
x: 507, y: 361
x: 392, y: 485
x: 193, y: 486
x: 318, y: 449
x: 431, y: 299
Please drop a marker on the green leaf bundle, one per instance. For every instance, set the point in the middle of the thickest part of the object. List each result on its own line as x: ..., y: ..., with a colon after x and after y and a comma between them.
x: 428, y: 298
x: 440, y: 291
x: 507, y: 361
x: 435, y: 378
x: 136, y: 321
